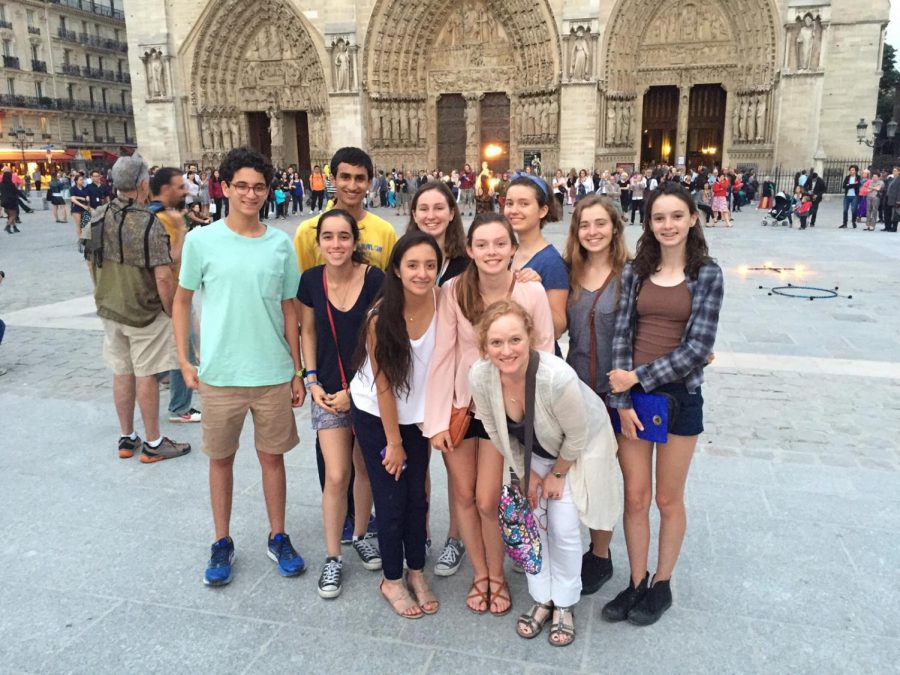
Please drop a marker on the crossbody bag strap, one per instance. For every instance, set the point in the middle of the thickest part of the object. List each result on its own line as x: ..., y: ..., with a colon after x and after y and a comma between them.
x: 593, y: 331
x: 340, y: 361
x: 534, y: 360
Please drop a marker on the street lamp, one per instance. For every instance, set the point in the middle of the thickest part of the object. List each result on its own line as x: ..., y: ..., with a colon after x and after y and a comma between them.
x: 22, y: 138
x: 875, y: 142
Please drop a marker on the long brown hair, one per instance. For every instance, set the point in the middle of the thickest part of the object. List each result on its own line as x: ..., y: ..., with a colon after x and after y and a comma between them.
x: 576, y: 255
x: 455, y: 236
x: 648, y: 256
x: 541, y: 194
x: 468, y: 295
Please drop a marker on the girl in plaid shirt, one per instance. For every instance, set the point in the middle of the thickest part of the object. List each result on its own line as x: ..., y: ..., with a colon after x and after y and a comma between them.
x: 666, y: 325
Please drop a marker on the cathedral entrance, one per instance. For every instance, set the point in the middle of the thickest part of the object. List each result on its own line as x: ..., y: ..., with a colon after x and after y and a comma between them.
x: 659, y: 126
x: 258, y: 127
x: 451, y: 121
x: 706, y: 125
x: 301, y: 125
x: 495, y: 131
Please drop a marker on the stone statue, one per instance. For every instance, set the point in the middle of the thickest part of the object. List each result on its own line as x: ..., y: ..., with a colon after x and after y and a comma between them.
x: 471, y: 123
x: 624, y: 123
x: 761, y: 118
x: 384, y: 112
x: 554, y: 117
x: 156, y: 84
x: 404, y: 123
x: 375, y: 121
x: 484, y: 32
x: 395, y: 123
x: 342, y: 66
x: 274, y: 116
x: 235, y: 132
x: 580, y: 56
x: 742, y: 122
x: 751, y: 119
x: 736, y: 120
x: 804, y: 42
x: 205, y: 134
x: 491, y: 28
x: 545, y: 117
x: 422, y: 126
x: 611, y: 124
x: 454, y: 28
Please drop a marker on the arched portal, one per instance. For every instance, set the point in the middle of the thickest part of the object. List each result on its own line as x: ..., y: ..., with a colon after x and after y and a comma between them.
x: 694, y: 46
x: 257, y: 78
x: 417, y: 53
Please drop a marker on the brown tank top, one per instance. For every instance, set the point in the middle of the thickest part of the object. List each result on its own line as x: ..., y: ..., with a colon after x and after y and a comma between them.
x: 662, y: 314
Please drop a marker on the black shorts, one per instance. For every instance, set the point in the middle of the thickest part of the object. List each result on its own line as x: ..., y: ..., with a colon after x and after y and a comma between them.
x: 689, y: 421
x: 57, y: 201
x: 476, y: 430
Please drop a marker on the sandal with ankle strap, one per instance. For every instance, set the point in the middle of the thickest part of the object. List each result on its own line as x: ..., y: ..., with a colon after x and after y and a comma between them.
x: 562, y: 627
x: 402, y: 602
x: 530, y: 621
x: 423, y: 594
x: 502, y: 593
x: 482, y: 595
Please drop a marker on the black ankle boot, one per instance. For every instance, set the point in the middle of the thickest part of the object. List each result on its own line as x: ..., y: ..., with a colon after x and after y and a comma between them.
x: 657, y: 600
x: 595, y: 571
x: 619, y: 608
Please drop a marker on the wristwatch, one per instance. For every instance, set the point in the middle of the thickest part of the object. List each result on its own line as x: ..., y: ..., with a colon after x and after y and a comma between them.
x: 557, y: 474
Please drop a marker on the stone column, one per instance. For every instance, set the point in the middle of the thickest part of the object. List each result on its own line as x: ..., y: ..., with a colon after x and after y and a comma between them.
x: 473, y: 128
x: 684, y: 101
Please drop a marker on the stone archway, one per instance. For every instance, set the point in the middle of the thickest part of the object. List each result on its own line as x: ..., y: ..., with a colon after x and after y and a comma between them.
x: 685, y: 44
x: 418, y: 52
x: 257, y: 77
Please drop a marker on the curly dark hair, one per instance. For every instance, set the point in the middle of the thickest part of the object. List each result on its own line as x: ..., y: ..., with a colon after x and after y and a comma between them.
x: 245, y: 158
x: 392, y: 351
x: 647, y: 259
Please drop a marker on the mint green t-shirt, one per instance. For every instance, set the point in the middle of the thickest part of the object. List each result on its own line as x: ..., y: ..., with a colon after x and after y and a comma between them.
x: 243, y: 281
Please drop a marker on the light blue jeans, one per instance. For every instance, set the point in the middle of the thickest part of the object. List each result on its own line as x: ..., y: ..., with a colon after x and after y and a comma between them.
x: 180, y: 395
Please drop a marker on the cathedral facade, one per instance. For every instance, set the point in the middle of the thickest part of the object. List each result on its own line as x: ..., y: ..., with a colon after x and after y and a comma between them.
x: 426, y: 84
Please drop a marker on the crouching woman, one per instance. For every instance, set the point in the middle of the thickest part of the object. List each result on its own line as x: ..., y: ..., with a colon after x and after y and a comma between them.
x: 574, y: 475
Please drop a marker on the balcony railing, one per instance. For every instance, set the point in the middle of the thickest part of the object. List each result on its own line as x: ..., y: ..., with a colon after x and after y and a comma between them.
x: 42, y: 102
x: 123, y: 77
x: 47, y: 103
x: 5, y: 24
x: 71, y: 69
x: 92, y: 8
x: 102, y: 43
x: 38, y: 66
x: 64, y: 34
x: 34, y: 30
x: 130, y: 141
x: 11, y: 62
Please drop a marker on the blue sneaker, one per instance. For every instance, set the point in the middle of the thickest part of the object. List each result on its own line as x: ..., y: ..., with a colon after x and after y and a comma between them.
x: 373, y: 526
x: 347, y: 532
x: 218, y: 571
x: 290, y: 563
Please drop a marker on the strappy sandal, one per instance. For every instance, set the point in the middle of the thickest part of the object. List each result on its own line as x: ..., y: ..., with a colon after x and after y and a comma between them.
x: 424, y: 595
x: 530, y: 621
x: 562, y: 628
x: 402, y: 602
x: 501, y: 593
x: 481, y: 595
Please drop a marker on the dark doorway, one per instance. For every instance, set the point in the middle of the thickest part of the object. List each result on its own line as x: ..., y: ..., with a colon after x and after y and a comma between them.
x: 260, y: 140
x: 706, y: 125
x: 451, y: 125
x: 659, y: 125
x: 301, y: 122
x: 495, y: 131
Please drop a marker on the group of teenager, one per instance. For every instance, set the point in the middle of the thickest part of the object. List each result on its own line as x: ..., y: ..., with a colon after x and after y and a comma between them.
x: 393, y: 339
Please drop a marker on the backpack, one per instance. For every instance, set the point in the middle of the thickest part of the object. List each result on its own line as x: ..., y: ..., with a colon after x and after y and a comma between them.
x: 92, y: 233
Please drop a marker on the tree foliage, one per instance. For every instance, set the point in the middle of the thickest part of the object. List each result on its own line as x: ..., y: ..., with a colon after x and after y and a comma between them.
x: 887, y: 86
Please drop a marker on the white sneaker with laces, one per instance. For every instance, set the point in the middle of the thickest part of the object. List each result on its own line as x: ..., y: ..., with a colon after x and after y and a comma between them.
x: 192, y: 415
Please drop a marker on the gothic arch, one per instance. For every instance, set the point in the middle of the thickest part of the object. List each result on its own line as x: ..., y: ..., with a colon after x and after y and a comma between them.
x: 646, y: 36
x: 401, y: 35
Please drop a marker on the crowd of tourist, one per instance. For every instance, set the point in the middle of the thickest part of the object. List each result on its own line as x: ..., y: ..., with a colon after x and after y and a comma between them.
x: 444, y: 339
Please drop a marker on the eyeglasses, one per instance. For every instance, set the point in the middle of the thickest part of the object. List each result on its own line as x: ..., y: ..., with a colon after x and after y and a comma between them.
x: 243, y: 188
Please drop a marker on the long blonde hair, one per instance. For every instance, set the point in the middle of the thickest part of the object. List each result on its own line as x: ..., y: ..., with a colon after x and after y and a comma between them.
x: 576, y: 255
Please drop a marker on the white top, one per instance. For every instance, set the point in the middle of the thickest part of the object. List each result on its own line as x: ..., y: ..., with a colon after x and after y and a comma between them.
x: 410, y: 407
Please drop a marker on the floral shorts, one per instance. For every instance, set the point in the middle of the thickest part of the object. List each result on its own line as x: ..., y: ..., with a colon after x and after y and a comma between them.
x: 322, y: 419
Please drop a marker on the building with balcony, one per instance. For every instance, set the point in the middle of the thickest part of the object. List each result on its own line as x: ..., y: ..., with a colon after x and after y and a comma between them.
x: 64, y: 78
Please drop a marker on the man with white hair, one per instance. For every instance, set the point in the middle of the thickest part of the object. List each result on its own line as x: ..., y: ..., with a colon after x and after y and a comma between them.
x: 129, y: 249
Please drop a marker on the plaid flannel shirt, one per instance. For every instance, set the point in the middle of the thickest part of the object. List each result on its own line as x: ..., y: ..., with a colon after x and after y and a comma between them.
x: 685, y: 363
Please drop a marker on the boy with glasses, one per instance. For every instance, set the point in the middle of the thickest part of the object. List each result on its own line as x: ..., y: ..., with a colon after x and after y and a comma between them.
x: 250, y: 359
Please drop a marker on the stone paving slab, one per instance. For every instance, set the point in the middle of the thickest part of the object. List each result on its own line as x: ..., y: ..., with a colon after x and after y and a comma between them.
x: 789, y: 564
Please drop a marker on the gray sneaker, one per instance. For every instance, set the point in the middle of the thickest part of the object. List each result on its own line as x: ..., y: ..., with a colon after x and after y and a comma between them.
x: 367, y: 551
x: 330, y: 578
x: 451, y: 558
x: 168, y: 449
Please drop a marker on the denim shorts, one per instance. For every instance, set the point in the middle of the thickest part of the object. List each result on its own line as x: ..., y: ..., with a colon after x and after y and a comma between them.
x: 322, y: 419
x: 689, y: 421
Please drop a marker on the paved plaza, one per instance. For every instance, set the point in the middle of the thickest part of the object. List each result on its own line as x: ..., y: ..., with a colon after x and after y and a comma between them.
x: 789, y: 564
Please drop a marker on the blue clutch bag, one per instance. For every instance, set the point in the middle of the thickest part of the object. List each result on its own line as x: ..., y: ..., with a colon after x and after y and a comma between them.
x: 655, y: 411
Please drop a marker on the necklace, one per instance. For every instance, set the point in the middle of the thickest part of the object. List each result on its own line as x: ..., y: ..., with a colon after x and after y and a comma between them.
x: 341, y: 304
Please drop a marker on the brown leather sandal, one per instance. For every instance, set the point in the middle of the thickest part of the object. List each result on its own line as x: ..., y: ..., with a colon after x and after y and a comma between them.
x: 482, y: 595
x: 501, y: 593
x: 427, y: 600
x: 402, y: 602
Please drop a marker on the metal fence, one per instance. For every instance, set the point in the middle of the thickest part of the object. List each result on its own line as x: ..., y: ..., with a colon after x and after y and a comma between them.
x: 833, y: 172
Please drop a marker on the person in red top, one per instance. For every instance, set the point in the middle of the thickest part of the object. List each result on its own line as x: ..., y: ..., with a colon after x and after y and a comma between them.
x: 217, y: 195
x: 720, y: 200
x: 467, y: 188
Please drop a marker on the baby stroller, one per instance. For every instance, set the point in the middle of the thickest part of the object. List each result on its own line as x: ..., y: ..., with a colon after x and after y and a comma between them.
x: 779, y: 215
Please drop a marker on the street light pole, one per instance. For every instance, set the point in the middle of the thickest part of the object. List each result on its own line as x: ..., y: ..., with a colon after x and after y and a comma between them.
x: 22, y: 138
x: 875, y: 142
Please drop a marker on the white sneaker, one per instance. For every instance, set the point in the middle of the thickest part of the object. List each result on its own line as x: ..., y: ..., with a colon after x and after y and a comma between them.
x: 192, y: 415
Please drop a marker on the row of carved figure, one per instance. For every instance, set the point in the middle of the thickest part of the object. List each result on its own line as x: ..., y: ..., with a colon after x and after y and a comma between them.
x: 220, y: 132
x: 397, y: 123
x: 748, y: 124
x: 618, y: 122
x: 539, y: 119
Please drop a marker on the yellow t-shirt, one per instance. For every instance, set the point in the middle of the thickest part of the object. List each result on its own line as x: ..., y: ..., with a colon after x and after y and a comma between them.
x: 376, y: 238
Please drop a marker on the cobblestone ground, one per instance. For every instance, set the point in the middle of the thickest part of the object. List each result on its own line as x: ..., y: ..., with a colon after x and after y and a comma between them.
x: 788, y: 565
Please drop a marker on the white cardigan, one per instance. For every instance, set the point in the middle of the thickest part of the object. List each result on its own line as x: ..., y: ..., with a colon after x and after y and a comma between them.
x: 570, y: 421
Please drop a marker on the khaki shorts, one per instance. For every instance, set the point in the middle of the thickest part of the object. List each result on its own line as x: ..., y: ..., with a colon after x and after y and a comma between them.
x: 224, y: 412
x: 139, y: 351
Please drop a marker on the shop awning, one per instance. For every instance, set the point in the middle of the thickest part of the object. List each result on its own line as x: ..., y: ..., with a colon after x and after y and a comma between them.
x: 32, y: 155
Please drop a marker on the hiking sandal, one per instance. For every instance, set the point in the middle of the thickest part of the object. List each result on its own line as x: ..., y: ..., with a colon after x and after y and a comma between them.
x: 529, y: 620
x: 501, y: 593
x: 563, y: 627
x: 476, y: 593
x: 402, y: 602
x: 423, y: 594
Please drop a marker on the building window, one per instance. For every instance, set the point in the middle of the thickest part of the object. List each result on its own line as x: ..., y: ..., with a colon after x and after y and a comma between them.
x: 39, y: 89
x: 87, y: 60
x: 2, y: 12
x: 67, y: 57
x: 7, y: 48
x: 123, y: 98
x: 29, y: 16
x: 94, y: 127
x: 62, y: 23
x: 116, y: 34
x: 70, y: 88
x: 35, y: 52
x: 120, y: 66
x: 108, y: 135
x: 11, y: 86
x: 91, y: 93
x: 100, y: 62
x: 74, y: 130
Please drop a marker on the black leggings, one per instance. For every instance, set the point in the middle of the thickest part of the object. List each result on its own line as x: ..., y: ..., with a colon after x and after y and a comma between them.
x: 637, y: 205
x: 318, y: 200
x: 706, y: 209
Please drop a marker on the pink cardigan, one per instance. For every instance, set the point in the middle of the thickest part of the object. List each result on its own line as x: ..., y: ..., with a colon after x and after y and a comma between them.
x: 456, y: 350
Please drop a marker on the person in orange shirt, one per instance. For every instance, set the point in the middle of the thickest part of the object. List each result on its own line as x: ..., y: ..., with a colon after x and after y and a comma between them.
x: 317, y: 187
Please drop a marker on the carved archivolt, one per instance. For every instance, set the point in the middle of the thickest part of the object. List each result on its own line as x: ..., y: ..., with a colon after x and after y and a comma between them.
x: 690, y: 35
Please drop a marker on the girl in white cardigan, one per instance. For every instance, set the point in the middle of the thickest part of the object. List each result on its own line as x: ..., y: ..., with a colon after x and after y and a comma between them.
x: 574, y: 475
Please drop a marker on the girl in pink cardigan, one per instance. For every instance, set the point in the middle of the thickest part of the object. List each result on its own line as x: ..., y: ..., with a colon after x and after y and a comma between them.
x: 475, y: 466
